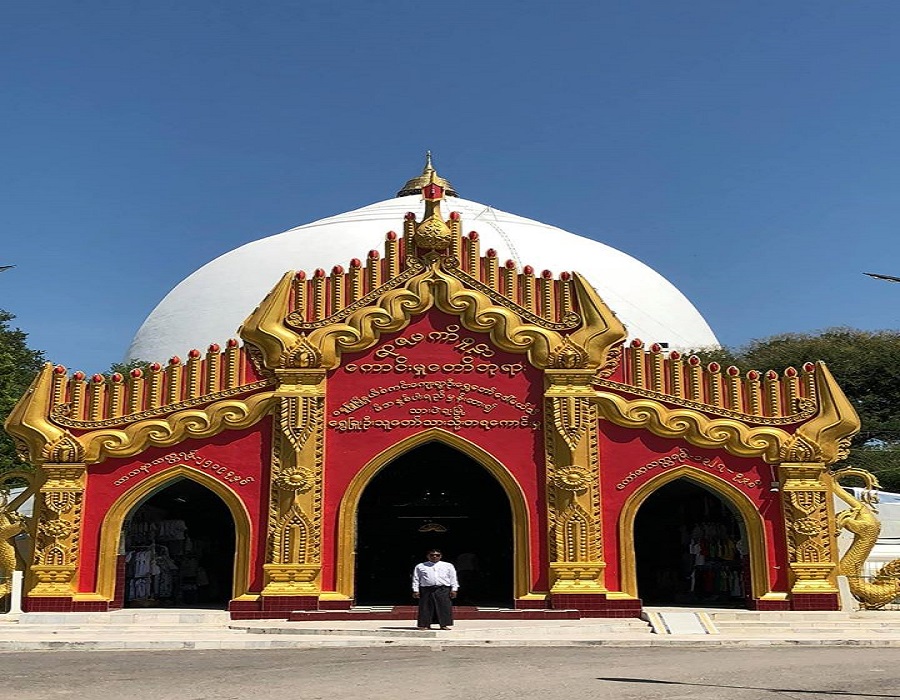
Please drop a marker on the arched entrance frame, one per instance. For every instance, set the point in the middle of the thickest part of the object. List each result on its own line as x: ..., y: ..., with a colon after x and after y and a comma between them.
x: 114, y: 521
x: 347, y: 515
x: 753, y: 523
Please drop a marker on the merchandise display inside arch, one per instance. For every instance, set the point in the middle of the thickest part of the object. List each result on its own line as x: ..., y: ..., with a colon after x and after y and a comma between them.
x: 443, y: 389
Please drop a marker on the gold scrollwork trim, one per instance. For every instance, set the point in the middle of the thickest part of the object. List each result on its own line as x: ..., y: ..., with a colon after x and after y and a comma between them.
x: 756, y: 532
x: 797, y: 417
x: 111, y: 528
x: 570, y: 322
x: 57, y: 415
x: 434, y: 287
x: 295, y: 318
x: 224, y: 415
x: 347, y: 515
x: 698, y: 429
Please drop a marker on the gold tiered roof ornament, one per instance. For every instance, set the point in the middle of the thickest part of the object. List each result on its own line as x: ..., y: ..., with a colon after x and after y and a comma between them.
x: 428, y: 176
x: 433, y: 233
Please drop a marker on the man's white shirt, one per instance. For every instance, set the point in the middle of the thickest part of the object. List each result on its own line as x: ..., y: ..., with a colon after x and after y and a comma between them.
x: 438, y: 573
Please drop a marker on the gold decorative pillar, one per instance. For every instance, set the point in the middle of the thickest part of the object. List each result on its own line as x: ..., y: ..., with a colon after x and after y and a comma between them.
x: 809, y: 526
x: 58, y: 516
x: 573, y: 483
x: 293, y: 565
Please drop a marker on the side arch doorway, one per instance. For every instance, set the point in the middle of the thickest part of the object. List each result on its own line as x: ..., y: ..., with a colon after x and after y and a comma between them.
x: 434, y: 496
x: 691, y: 548
x: 179, y: 545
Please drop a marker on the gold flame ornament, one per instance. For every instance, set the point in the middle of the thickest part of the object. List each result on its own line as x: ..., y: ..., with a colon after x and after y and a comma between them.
x: 433, y: 233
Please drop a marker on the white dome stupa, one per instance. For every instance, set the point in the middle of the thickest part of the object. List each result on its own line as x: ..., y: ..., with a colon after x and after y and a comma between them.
x: 211, y: 304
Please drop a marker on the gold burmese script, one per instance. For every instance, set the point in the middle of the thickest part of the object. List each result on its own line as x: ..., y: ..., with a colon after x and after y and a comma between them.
x: 469, y: 349
x: 435, y: 403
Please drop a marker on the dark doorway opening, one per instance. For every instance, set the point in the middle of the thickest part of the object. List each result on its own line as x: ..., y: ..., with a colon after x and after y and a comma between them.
x: 179, y: 550
x: 690, y: 548
x: 434, y: 497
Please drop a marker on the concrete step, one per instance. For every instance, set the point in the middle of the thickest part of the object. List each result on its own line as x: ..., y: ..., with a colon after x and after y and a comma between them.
x: 818, y: 616
x: 129, y: 617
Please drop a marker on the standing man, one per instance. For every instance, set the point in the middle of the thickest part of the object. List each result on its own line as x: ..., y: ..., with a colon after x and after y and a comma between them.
x: 434, y: 583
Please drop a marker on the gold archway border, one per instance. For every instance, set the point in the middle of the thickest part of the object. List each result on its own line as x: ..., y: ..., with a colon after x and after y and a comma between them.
x: 434, y: 287
x: 756, y: 533
x: 696, y: 428
x: 114, y: 520
x: 347, y: 514
x: 217, y: 417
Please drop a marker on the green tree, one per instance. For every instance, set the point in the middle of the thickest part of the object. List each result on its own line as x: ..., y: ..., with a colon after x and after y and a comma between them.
x: 866, y: 364
x: 18, y: 365
x: 124, y: 368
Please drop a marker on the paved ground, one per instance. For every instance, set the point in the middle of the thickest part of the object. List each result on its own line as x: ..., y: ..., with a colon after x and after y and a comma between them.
x: 454, y: 673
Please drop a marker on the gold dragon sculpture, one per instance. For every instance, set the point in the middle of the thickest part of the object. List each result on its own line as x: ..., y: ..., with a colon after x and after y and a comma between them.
x: 861, y: 520
x: 11, y: 524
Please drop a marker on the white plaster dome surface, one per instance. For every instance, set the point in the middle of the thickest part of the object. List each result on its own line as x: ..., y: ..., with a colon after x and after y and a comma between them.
x: 209, y: 305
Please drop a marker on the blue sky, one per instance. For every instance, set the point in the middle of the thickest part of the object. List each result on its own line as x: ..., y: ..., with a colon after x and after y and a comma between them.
x: 748, y: 151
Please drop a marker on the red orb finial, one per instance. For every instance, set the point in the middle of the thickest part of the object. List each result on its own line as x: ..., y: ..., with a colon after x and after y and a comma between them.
x: 809, y: 367
x: 356, y: 263
x: 155, y: 367
x: 301, y: 275
x: 137, y: 373
x: 98, y: 379
x: 374, y: 255
x: 59, y: 369
x: 528, y: 270
x: 473, y: 235
x: 713, y: 367
x: 454, y: 216
x: 174, y: 360
x: 565, y: 276
x: 319, y: 273
x: 491, y: 253
x: 79, y: 376
x: 214, y: 347
x: 408, y: 216
x: 733, y: 371
x: 116, y: 377
x: 337, y: 270
x: 637, y: 343
x: 547, y: 275
x: 194, y: 354
x: 392, y: 235
x: 232, y: 342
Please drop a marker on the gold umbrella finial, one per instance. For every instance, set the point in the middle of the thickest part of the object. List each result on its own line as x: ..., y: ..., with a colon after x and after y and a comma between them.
x: 415, y: 185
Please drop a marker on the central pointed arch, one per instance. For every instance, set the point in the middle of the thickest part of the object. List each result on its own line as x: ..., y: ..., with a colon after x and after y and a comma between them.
x: 347, y: 515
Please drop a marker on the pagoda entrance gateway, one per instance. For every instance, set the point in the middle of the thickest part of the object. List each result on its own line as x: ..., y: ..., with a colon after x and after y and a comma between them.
x: 434, y: 497
x: 453, y: 388
x: 690, y: 548
x: 179, y: 549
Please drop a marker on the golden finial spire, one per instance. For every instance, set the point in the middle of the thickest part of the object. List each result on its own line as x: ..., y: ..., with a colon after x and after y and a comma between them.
x: 415, y: 185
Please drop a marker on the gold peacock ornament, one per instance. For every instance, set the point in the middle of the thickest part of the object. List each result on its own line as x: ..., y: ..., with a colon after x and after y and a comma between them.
x: 861, y: 520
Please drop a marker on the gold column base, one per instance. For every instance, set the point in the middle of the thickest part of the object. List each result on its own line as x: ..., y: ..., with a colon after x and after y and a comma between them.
x: 52, y: 581
x: 813, y: 578
x: 292, y: 579
x: 577, y: 577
